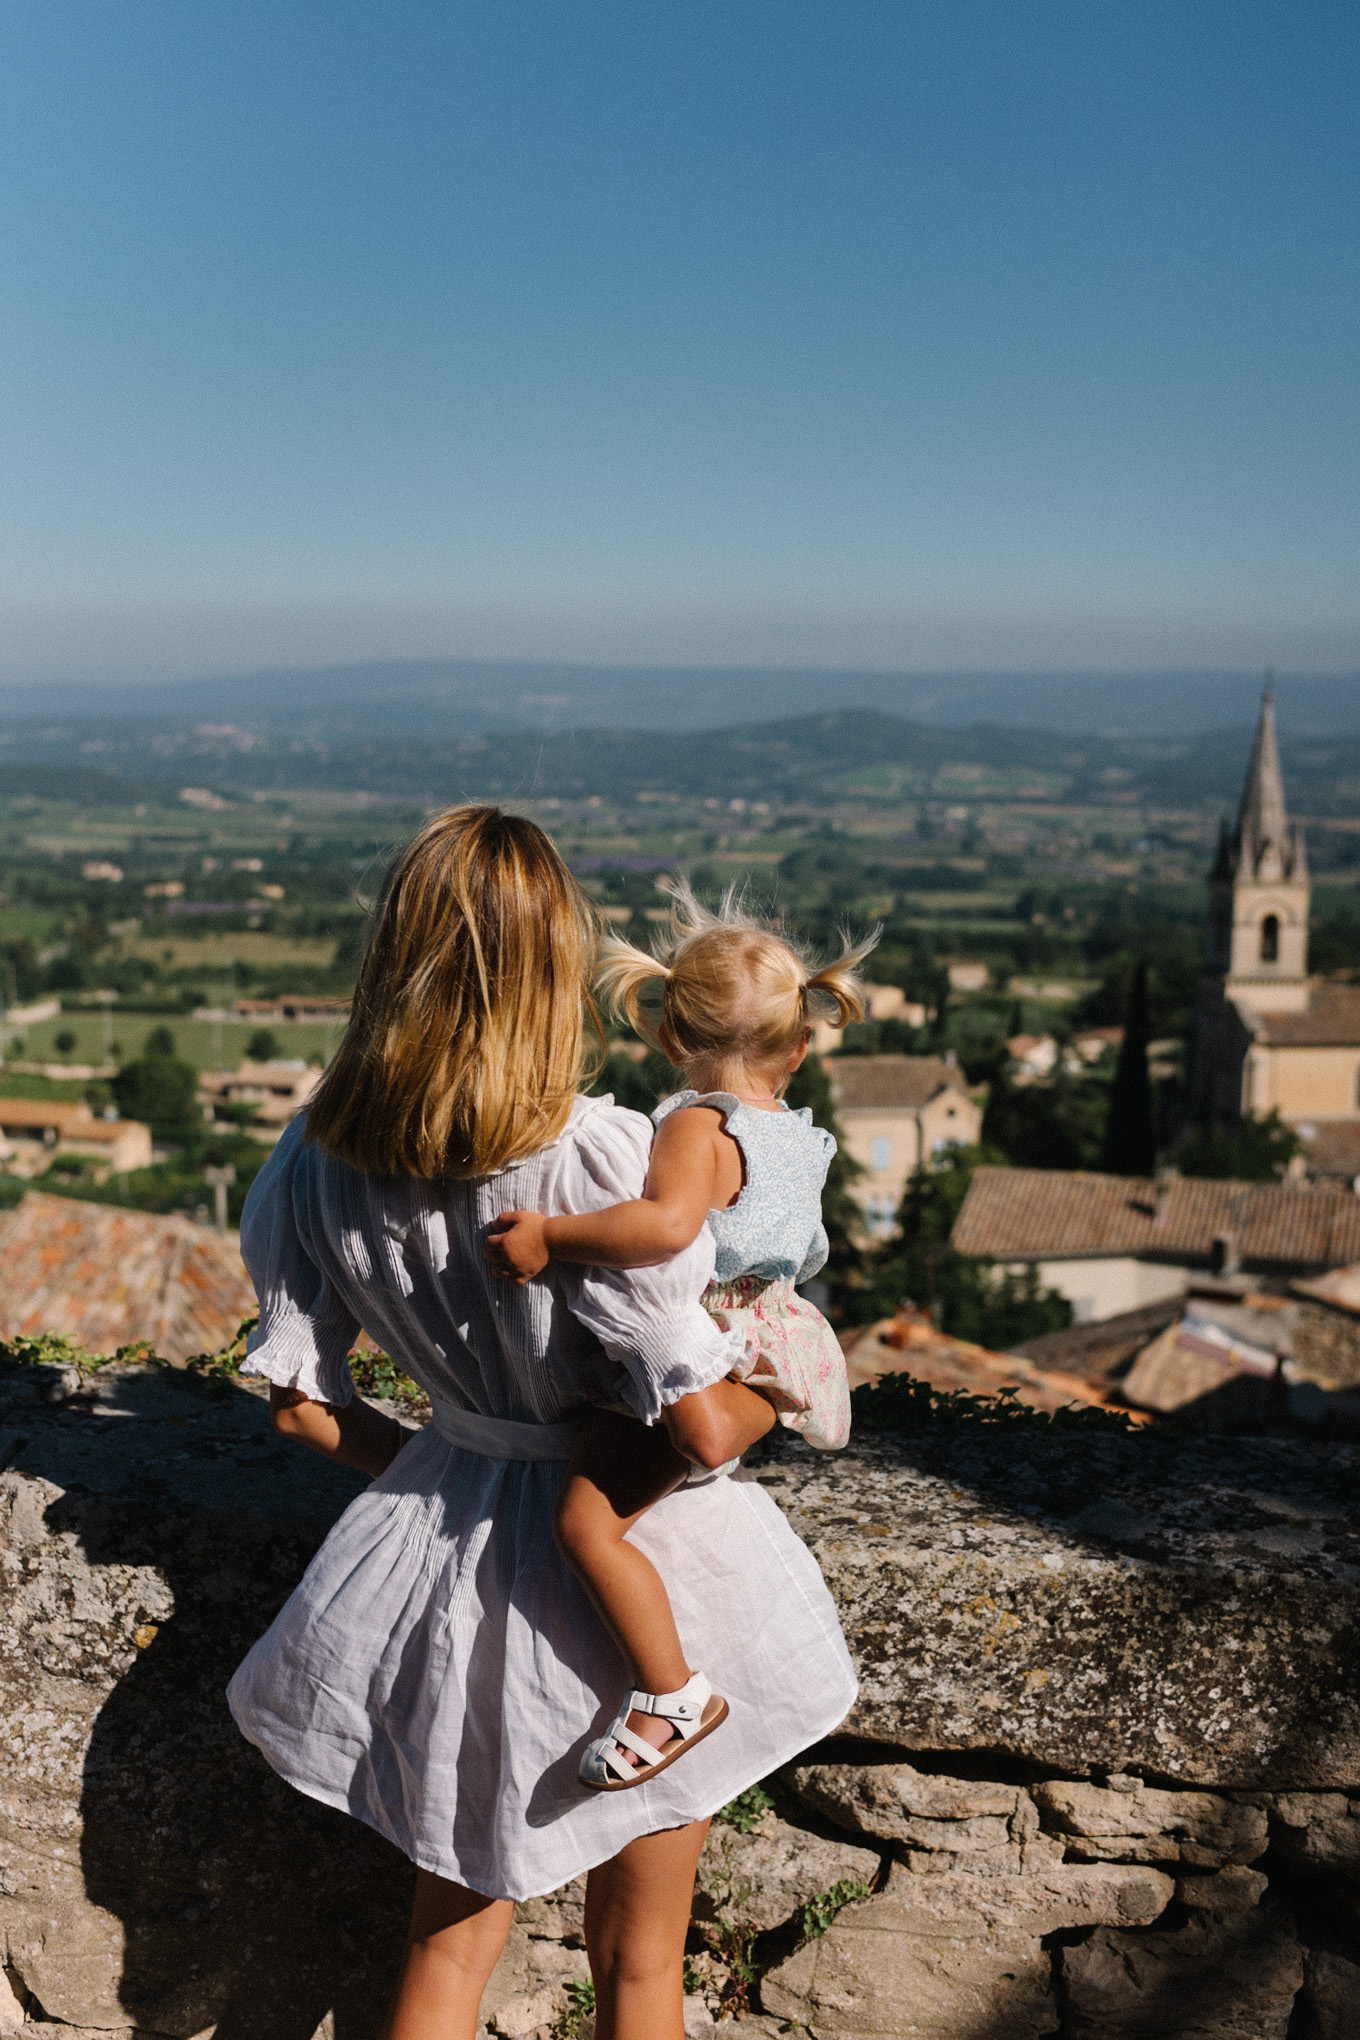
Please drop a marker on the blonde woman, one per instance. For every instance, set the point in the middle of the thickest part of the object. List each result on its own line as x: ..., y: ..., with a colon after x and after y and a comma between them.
x: 439, y: 1672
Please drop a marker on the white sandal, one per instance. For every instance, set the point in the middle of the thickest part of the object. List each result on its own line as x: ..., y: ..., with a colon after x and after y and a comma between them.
x: 694, y: 1711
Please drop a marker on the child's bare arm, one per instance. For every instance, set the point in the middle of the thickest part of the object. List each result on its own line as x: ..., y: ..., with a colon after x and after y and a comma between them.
x: 676, y: 1199
x: 357, y: 1435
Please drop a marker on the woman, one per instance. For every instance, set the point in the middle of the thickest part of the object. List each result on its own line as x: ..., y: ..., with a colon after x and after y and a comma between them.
x: 439, y: 1671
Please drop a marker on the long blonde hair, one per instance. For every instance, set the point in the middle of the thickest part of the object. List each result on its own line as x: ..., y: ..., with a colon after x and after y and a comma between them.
x: 730, y: 993
x: 465, y: 1044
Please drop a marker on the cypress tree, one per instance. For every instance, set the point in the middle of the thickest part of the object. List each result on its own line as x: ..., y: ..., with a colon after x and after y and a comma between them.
x: 1130, y: 1147
x: 841, y: 1215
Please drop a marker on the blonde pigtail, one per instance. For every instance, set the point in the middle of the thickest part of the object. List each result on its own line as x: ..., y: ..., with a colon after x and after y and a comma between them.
x: 624, y: 976
x: 836, y: 992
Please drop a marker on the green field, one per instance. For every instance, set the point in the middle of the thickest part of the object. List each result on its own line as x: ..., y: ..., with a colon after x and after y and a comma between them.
x: 199, y: 1042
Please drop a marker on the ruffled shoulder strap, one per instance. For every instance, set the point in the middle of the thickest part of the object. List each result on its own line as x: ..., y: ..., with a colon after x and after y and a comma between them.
x: 721, y: 1101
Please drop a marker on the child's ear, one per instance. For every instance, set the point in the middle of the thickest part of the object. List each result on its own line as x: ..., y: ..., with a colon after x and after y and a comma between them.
x: 799, y: 1055
x: 669, y: 1049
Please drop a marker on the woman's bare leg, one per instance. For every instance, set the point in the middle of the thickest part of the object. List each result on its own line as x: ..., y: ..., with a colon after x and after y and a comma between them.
x: 454, y: 1943
x: 637, y: 1916
x: 618, y: 1471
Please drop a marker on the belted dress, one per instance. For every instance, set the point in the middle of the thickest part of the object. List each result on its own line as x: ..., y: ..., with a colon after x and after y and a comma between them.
x: 439, y: 1669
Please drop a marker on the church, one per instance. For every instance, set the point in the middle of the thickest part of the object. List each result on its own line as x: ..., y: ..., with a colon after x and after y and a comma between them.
x: 1264, y: 1036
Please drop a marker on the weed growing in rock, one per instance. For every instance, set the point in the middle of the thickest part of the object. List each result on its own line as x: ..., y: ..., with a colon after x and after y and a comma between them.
x: 581, y: 1994
x: 817, y: 1914
x: 375, y: 1373
x: 49, y: 1349
x: 745, y: 1810
x: 730, y: 1938
x: 902, y: 1404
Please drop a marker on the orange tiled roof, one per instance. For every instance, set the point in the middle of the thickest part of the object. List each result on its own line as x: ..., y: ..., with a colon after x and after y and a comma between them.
x: 105, y: 1277
x: 44, y: 1112
x: 1056, y: 1214
x: 70, y: 1122
x: 1332, y: 1147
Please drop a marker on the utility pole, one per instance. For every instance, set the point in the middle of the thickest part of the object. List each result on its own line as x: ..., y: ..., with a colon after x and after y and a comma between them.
x: 220, y: 1179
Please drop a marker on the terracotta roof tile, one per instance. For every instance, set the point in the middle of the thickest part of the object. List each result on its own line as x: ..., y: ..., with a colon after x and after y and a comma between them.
x: 104, y: 1277
x: 891, y: 1082
x: 1054, y: 1214
x: 1332, y: 1147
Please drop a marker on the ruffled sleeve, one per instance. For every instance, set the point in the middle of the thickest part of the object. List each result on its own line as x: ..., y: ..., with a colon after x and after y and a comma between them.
x: 305, y: 1332
x: 649, y: 1320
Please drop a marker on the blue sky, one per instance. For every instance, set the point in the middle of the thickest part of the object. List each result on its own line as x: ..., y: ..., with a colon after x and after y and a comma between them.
x: 892, y: 335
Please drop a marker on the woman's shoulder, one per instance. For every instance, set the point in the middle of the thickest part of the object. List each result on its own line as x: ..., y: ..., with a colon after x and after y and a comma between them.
x: 600, y: 1122
x: 603, y: 1145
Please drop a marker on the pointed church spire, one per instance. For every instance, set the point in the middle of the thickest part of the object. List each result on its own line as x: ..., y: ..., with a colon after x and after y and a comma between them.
x: 1265, y: 844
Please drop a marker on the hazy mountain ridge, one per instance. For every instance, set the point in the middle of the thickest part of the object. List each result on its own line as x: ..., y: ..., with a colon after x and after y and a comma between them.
x: 439, y: 700
x: 855, y: 754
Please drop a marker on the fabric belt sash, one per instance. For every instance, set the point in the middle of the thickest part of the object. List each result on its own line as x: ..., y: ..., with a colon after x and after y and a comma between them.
x: 501, y: 1437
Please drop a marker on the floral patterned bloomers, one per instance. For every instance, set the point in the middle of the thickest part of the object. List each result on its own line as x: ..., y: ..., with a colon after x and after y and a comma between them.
x: 770, y: 1240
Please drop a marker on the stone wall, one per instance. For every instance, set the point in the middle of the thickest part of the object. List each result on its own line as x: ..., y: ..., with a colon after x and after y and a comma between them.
x: 1103, y: 1778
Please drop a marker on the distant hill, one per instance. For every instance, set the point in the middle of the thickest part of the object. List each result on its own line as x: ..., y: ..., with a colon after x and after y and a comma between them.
x: 855, y: 753
x: 441, y: 700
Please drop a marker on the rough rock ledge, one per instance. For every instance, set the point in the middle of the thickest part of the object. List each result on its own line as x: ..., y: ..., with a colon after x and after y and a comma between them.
x: 1103, y: 1777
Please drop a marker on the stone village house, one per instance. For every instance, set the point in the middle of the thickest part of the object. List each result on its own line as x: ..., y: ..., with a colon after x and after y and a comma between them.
x: 899, y: 1113
x: 1111, y: 1244
x: 34, y: 1132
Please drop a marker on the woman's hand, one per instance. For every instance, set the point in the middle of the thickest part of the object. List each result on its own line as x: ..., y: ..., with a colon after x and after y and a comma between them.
x: 517, y: 1245
x: 717, y: 1424
x: 356, y: 1436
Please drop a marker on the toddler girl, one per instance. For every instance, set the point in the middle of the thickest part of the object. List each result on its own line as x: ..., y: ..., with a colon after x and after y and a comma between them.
x: 731, y: 1005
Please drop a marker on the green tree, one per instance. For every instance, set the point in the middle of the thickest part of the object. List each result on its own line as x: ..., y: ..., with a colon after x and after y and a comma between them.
x: 639, y: 1085
x: 162, y: 1091
x: 262, y: 1046
x: 1054, y: 1125
x: 1130, y: 1144
x: 1253, y: 1151
x: 966, y: 1295
x: 64, y: 1042
x: 844, y: 1272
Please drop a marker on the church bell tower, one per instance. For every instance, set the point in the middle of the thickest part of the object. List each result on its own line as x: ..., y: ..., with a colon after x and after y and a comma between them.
x: 1256, y: 947
x: 1258, y: 933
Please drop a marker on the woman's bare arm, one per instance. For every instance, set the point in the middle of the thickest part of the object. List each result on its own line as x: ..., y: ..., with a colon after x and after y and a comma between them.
x: 676, y: 1199
x: 356, y: 1436
x: 717, y: 1424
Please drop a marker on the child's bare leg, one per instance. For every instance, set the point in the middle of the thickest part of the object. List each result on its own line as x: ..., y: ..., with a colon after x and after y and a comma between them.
x: 618, y: 1470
